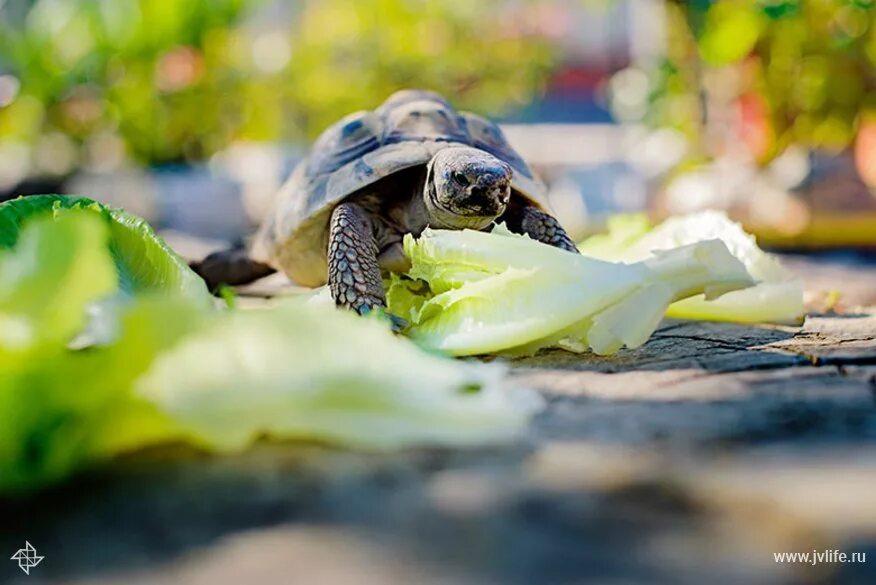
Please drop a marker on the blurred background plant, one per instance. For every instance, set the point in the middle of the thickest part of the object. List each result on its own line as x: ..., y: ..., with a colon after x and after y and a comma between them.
x: 776, y: 103
x: 766, y: 108
x: 788, y: 72
x: 88, y: 81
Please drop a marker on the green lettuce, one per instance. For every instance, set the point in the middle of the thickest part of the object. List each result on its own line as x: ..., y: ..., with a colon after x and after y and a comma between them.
x: 55, y: 403
x: 144, y: 263
x: 777, y: 298
x: 57, y: 267
x: 502, y: 292
x: 298, y: 371
x: 624, y: 229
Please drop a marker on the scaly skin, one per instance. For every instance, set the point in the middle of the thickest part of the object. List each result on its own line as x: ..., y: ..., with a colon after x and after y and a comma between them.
x: 230, y: 267
x: 540, y: 226
x: 353, y: 272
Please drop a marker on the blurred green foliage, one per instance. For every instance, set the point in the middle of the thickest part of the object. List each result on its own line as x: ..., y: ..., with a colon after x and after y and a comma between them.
x: 796, y: 71
x: 171, y: 80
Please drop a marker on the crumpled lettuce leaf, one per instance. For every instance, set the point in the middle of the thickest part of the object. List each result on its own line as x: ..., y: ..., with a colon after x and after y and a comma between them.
x: 777, y: 298
x: 58, y: 267
x: 144, y: 263
x: 299, y: 371
x: 59, y: 409
x: 624, y: 229
x: 502, y: 292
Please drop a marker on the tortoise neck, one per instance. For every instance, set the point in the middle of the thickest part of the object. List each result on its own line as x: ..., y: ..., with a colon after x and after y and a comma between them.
x: 428, y: 209
x: 416, y: 213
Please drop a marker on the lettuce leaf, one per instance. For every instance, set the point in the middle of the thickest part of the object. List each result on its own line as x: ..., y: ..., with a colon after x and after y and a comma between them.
x: 62, y: 410
x: 502, y: 292
x: 55, y: 403
x: 298, y: 371
x: 144, y: 263
x: 624, y: 229
x: 777, y: 298
x: 57, y: 267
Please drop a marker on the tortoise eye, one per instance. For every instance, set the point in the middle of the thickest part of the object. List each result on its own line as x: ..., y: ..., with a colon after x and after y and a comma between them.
x: 459, y: 178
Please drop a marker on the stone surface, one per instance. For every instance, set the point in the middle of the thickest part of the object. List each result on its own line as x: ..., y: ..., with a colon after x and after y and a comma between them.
x: 692, y: 459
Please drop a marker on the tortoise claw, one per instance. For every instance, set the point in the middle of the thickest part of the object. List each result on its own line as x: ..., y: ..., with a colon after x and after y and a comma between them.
x: 397, y: 324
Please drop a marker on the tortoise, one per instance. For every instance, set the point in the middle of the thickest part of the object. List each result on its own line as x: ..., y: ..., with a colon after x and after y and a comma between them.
x: 375, y: 176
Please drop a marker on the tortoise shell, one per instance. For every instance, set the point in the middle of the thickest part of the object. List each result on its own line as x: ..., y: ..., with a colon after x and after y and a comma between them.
x: 359, y: 150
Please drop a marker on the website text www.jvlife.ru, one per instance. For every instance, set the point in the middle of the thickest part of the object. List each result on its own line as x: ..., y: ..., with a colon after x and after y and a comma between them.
x: 816, y: 557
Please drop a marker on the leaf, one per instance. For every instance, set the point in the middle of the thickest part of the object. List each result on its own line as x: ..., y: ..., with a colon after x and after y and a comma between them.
x: 500, y: 292
x: 777, y: 298
x: 298, y: 371
x: 144, y: 263
x: 57, y: 268
x: 61, y: 411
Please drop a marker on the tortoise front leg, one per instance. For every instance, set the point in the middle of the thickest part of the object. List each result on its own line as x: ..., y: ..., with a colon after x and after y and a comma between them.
x: 232, y: 267
x: 353, y: 272
x: 541, y: 226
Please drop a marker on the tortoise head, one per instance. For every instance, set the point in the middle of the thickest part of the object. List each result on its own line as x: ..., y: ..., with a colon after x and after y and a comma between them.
x: 466, y: 188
